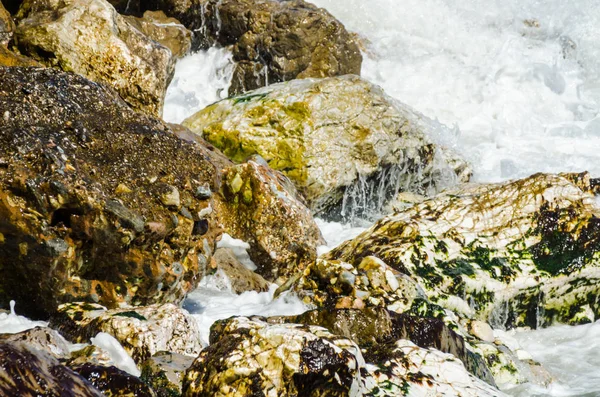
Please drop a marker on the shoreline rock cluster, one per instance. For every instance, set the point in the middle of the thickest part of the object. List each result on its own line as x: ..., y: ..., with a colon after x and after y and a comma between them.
x: 109, y: 216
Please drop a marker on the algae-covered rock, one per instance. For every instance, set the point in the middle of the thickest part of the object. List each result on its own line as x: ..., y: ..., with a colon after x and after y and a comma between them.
x: 81, y: 176
x: 262, y: 207
x: 113, y: 382
x: 142, y: 331
x: 7, y: 27
x: 520, y: 253
x: 164, y: 372
x: 88, y: 37
x: 11, y: 58
x: 335, y: 137
x: 30, y: 372
x: 165, y: 30
x: 251, y: 357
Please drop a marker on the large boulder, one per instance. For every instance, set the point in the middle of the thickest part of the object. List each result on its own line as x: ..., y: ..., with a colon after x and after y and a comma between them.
x: 30, y: 372
x: 519, y: 253
x: 97, y: 202
x: 113, y: 382
x: 88, y: 37
x: 142, y: 331
x: 262, y: 207
x: 40, y: 338
x: 165, y: 30
x: 335, y: 138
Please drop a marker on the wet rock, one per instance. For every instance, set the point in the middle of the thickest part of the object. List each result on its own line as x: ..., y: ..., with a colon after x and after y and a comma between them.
x: 277, y: 41
x: 113, y: 382
x: 519, y: 253
x: 240, y: 277
x: 381, y: 146
x: 261, y: 206
x: 40, y: 338
x: 91, y: 354
x: 66, y: 144
x: 250, y: 357
x: 26, y: 372
x: 142, y: 331
x: 108, y: 49
x: 10, y: 58
x: 7, y: 27
x: 169, y: 32
x: 164, y: 372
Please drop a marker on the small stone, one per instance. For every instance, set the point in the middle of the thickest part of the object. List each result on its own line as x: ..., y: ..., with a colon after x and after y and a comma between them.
x: 122, y: 189
x: 203, y: 192
x: 171, y: 197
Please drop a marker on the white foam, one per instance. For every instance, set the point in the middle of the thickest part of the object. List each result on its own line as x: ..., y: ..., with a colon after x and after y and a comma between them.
x: 239, y: 248
x: 11, y: 323
x: 117, y: 353
x: 200, y: 79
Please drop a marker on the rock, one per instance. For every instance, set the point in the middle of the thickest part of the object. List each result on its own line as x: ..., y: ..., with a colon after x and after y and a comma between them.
x: 240, y: 277
x: 10, y: 58
x: 113, y: 382
x: 91, y: 354
x: 164, y: 372
x: 277, y: 41
x: 261, y: 207
x: 381, y: 146
x: 168, y: 32
x: 519, y: 253
x: 251, y: 357
x: 142, y: 331
x: 40, y: 338
x: 66, y: 143
x: 27, y: 372
x: 107, y: 49
x: 7, y: 27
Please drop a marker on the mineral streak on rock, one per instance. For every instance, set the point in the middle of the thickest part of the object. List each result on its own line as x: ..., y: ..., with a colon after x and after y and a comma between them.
x: 66, y: 144
x: 330, y: 136
x: 520, y: 253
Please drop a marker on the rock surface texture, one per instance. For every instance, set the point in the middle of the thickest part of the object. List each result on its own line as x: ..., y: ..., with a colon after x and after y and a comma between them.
x: 262, y: 207
x: 167, y: 31
x: 332, y: 137
x: 142, y: 331
x: 520, y: 253
x: 97, y: 202
x: 7, y: 27
x: 89, y: 38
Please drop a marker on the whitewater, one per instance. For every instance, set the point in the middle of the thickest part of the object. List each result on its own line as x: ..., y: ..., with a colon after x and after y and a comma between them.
x: 517, y: 83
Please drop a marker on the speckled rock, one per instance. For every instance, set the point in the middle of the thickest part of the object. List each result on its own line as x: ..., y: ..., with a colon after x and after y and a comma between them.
x: 28, y: 372
x: 262, y: 207
x: 113, y: 382
x: 7, y: 27
x: 240, y: 278
x: 142, y: 331
x: 80, y: 218
x: 167, y: 31
x: 88, y: 37
x: 164, y: 372
x: 250, y: 357
x: 381, y: 146
x: 41, y: 338
x: 520, y: 253
x: 276, y: 41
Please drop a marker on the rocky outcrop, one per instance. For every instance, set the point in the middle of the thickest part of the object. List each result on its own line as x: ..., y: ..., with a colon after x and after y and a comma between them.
x: 89, y: 38
x: 334, y: 138
x: 42, y: 339
x: 25, y: 372
x: 520, y: 253
x: 277, y: 41
x: 164, y: 372
x: 7, y: 27
x: 97, y: 202
x: 167, y: 31
x: 240, y: 278
x: 113, y: 382
x: 262, y: 207
x: 253, y: 357
x: 142, y: 331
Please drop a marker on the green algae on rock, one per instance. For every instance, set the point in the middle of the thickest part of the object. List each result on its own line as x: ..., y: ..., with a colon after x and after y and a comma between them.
x: 262, y: 207
x: 520, y: 253
x: 142, y: 331
x: 89, y: 38
x: 330, y: 135
x: 67, y: 232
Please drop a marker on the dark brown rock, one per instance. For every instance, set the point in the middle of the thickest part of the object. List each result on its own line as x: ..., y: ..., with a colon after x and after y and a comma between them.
x: 165, y: 30
x: 27, y: 372
x: 80, y: 214
x: 41, y: 338
x: 164, y: 372
x: 113, y: 382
